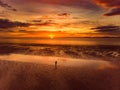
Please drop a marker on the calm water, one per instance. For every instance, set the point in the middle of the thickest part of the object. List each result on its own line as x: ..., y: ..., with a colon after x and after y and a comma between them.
x: 66, y: 41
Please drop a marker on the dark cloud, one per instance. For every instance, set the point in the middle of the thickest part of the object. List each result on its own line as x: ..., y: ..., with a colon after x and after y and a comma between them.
x: 22, y: 30
x: 87, y: 22
x: 26, y: 31
x: 64, y: 14
x: 5, y: 23
x: 5, y: 5
x: 107, y: 29
x: 114, y: 5
x: 40, y: 23
x: 36, y: 21
x: 44, y: 23
x: 115, y: 11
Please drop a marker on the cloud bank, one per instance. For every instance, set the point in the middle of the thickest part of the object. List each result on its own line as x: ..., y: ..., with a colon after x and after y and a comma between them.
x: 107, y: 29
x: 5, y: 5
x: 114, y: 5
x: 5, y: 23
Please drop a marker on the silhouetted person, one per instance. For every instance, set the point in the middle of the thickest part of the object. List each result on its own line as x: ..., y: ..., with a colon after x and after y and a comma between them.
x: 55, y: 64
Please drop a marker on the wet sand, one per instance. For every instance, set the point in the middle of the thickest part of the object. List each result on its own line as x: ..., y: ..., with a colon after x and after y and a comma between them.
x: 32, y: 76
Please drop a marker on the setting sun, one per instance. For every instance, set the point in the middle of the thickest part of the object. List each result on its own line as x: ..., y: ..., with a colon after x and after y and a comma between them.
x: 51, y: 36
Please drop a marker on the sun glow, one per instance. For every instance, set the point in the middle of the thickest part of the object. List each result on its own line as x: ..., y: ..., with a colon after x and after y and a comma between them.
x: 51, y: 36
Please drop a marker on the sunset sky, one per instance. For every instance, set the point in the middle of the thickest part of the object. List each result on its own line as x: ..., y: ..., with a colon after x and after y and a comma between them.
x: 59, y: 18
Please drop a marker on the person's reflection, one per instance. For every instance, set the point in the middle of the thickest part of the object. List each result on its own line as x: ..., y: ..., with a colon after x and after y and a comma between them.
x: 55, y: 65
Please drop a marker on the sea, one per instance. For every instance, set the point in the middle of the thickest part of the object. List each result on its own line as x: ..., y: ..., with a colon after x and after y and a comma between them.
x: 86, y: 48
x: 64, y: 41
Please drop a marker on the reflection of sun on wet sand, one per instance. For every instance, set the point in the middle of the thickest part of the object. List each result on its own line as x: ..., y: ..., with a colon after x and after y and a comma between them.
x: 26, y: 72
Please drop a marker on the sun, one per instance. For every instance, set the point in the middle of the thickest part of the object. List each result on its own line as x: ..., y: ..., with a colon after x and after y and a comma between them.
x: 51, y: 36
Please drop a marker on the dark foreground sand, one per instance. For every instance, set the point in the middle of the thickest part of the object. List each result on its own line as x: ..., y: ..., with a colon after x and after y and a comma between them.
x: 31, y: 76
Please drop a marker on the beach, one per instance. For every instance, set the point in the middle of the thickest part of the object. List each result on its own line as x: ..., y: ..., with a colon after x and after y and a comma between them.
x: 74, y: 74
x: 78, y: 67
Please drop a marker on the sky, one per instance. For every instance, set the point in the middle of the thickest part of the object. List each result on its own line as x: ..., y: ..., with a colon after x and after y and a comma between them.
x: 59, y: 18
